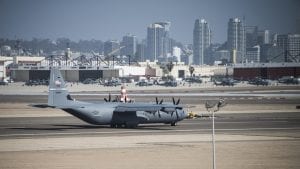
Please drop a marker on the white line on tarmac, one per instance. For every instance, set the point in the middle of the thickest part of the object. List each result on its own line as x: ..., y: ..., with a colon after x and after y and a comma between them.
x: 181, y: 123
x: 149, y: 131
x: 238, y: 122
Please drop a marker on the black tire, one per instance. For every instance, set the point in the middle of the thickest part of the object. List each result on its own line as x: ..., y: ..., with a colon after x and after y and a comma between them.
x: 113, y: 125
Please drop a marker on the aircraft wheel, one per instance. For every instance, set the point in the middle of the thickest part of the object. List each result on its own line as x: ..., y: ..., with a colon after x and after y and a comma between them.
x: 129, y: 125
x: 113, y: 126
x: 173, y: 124
x: 119, y: 125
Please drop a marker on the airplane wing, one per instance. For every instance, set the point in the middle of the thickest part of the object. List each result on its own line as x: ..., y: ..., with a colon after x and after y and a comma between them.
x: 146, y: 107
x: 137, y: 107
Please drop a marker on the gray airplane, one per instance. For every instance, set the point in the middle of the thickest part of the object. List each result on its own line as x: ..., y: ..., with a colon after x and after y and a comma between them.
x: 113, y: 113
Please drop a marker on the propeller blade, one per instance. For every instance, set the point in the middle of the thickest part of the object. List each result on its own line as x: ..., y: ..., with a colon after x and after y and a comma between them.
x: 178, y: 101
x: 105, y: 100
x: 109, y: 97
x: 177, y: 115
x: 173, y: 100
x: 157, y: 113
x: 156, y: 100
x: 161, y: 101
x: 116, y: 99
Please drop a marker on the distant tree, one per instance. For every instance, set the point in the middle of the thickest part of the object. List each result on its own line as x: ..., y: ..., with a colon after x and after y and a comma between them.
x: 191, y: 70
x: 170, y: 66
x: 167, y: 68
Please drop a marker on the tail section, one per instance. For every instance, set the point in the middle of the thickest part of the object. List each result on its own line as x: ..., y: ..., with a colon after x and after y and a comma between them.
x: 58, y: 94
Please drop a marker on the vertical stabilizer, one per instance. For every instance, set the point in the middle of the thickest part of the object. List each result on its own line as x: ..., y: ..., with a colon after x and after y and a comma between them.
x: 57, y: 90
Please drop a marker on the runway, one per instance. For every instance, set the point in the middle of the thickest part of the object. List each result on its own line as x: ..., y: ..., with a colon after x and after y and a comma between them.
x: 272, y: 124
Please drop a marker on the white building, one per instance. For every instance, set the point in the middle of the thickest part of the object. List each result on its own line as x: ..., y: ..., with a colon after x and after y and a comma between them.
x: 176, y: 53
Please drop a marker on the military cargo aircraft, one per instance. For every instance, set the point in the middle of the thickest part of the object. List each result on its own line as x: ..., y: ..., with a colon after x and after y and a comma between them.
x: 111, y: 112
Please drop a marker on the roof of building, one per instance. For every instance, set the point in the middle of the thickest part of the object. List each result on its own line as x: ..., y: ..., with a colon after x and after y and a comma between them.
x: 266, y: 65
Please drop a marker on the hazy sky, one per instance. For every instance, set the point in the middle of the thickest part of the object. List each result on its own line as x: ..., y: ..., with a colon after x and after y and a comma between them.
x: 111, y: 19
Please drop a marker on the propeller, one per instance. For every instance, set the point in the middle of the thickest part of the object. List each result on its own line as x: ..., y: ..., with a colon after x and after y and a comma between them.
x: 175, y: 102
x: 160, y: 102
x: 176, y: 108
x: 109, y: 98
x: 116, y: 99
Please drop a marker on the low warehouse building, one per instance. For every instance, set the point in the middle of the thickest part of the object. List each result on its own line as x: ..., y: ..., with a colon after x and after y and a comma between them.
x: 265, y: 70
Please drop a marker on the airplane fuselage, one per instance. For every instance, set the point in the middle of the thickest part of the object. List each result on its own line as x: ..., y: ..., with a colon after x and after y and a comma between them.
x: 107, y: 114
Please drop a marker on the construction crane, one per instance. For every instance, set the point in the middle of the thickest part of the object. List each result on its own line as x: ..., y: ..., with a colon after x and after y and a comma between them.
x: 106, y: 59
x: 110, y: 56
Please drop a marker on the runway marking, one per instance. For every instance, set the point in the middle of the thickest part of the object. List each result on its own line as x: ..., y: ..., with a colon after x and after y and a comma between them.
x: 237, y: 122
x: 149, y: 131
x: 184, y: 123
x: 127, y: 141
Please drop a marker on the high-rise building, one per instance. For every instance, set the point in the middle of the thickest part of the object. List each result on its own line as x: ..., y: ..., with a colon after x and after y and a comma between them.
x: 236, y: 38
x: 263, y: 37
x: 158, y: 41
x: 129, y: 45
x: 111, y: 46
x: 201, y: 41
x: 290, y: 47
x: 251, y: 33
x: 253, y: 54
x: 140, y: 51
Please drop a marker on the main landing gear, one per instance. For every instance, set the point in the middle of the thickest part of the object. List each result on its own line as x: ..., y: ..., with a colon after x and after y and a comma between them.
x: 126, y: 125
x: 173, y: 124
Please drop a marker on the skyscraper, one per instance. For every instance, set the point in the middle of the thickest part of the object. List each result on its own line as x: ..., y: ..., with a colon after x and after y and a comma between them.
x: 253, y: 54
x: 263, y: 37
x: 140, y: 52
x: 201, y: 41
x: 236, y: 38
x: 158, y: 41
x: 289, y: 46
x: 129, y: 43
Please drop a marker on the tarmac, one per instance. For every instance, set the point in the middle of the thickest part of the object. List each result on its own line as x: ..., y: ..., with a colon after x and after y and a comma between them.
x: 252, y: 132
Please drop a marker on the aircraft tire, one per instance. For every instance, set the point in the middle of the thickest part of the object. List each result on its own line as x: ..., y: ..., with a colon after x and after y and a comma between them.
x: 131, y: 125
x: 113, y: 126
x: 119, y: 125
x: 173, y: 124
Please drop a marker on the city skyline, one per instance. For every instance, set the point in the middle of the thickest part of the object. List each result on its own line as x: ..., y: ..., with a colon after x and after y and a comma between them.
x: 105, y: 20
